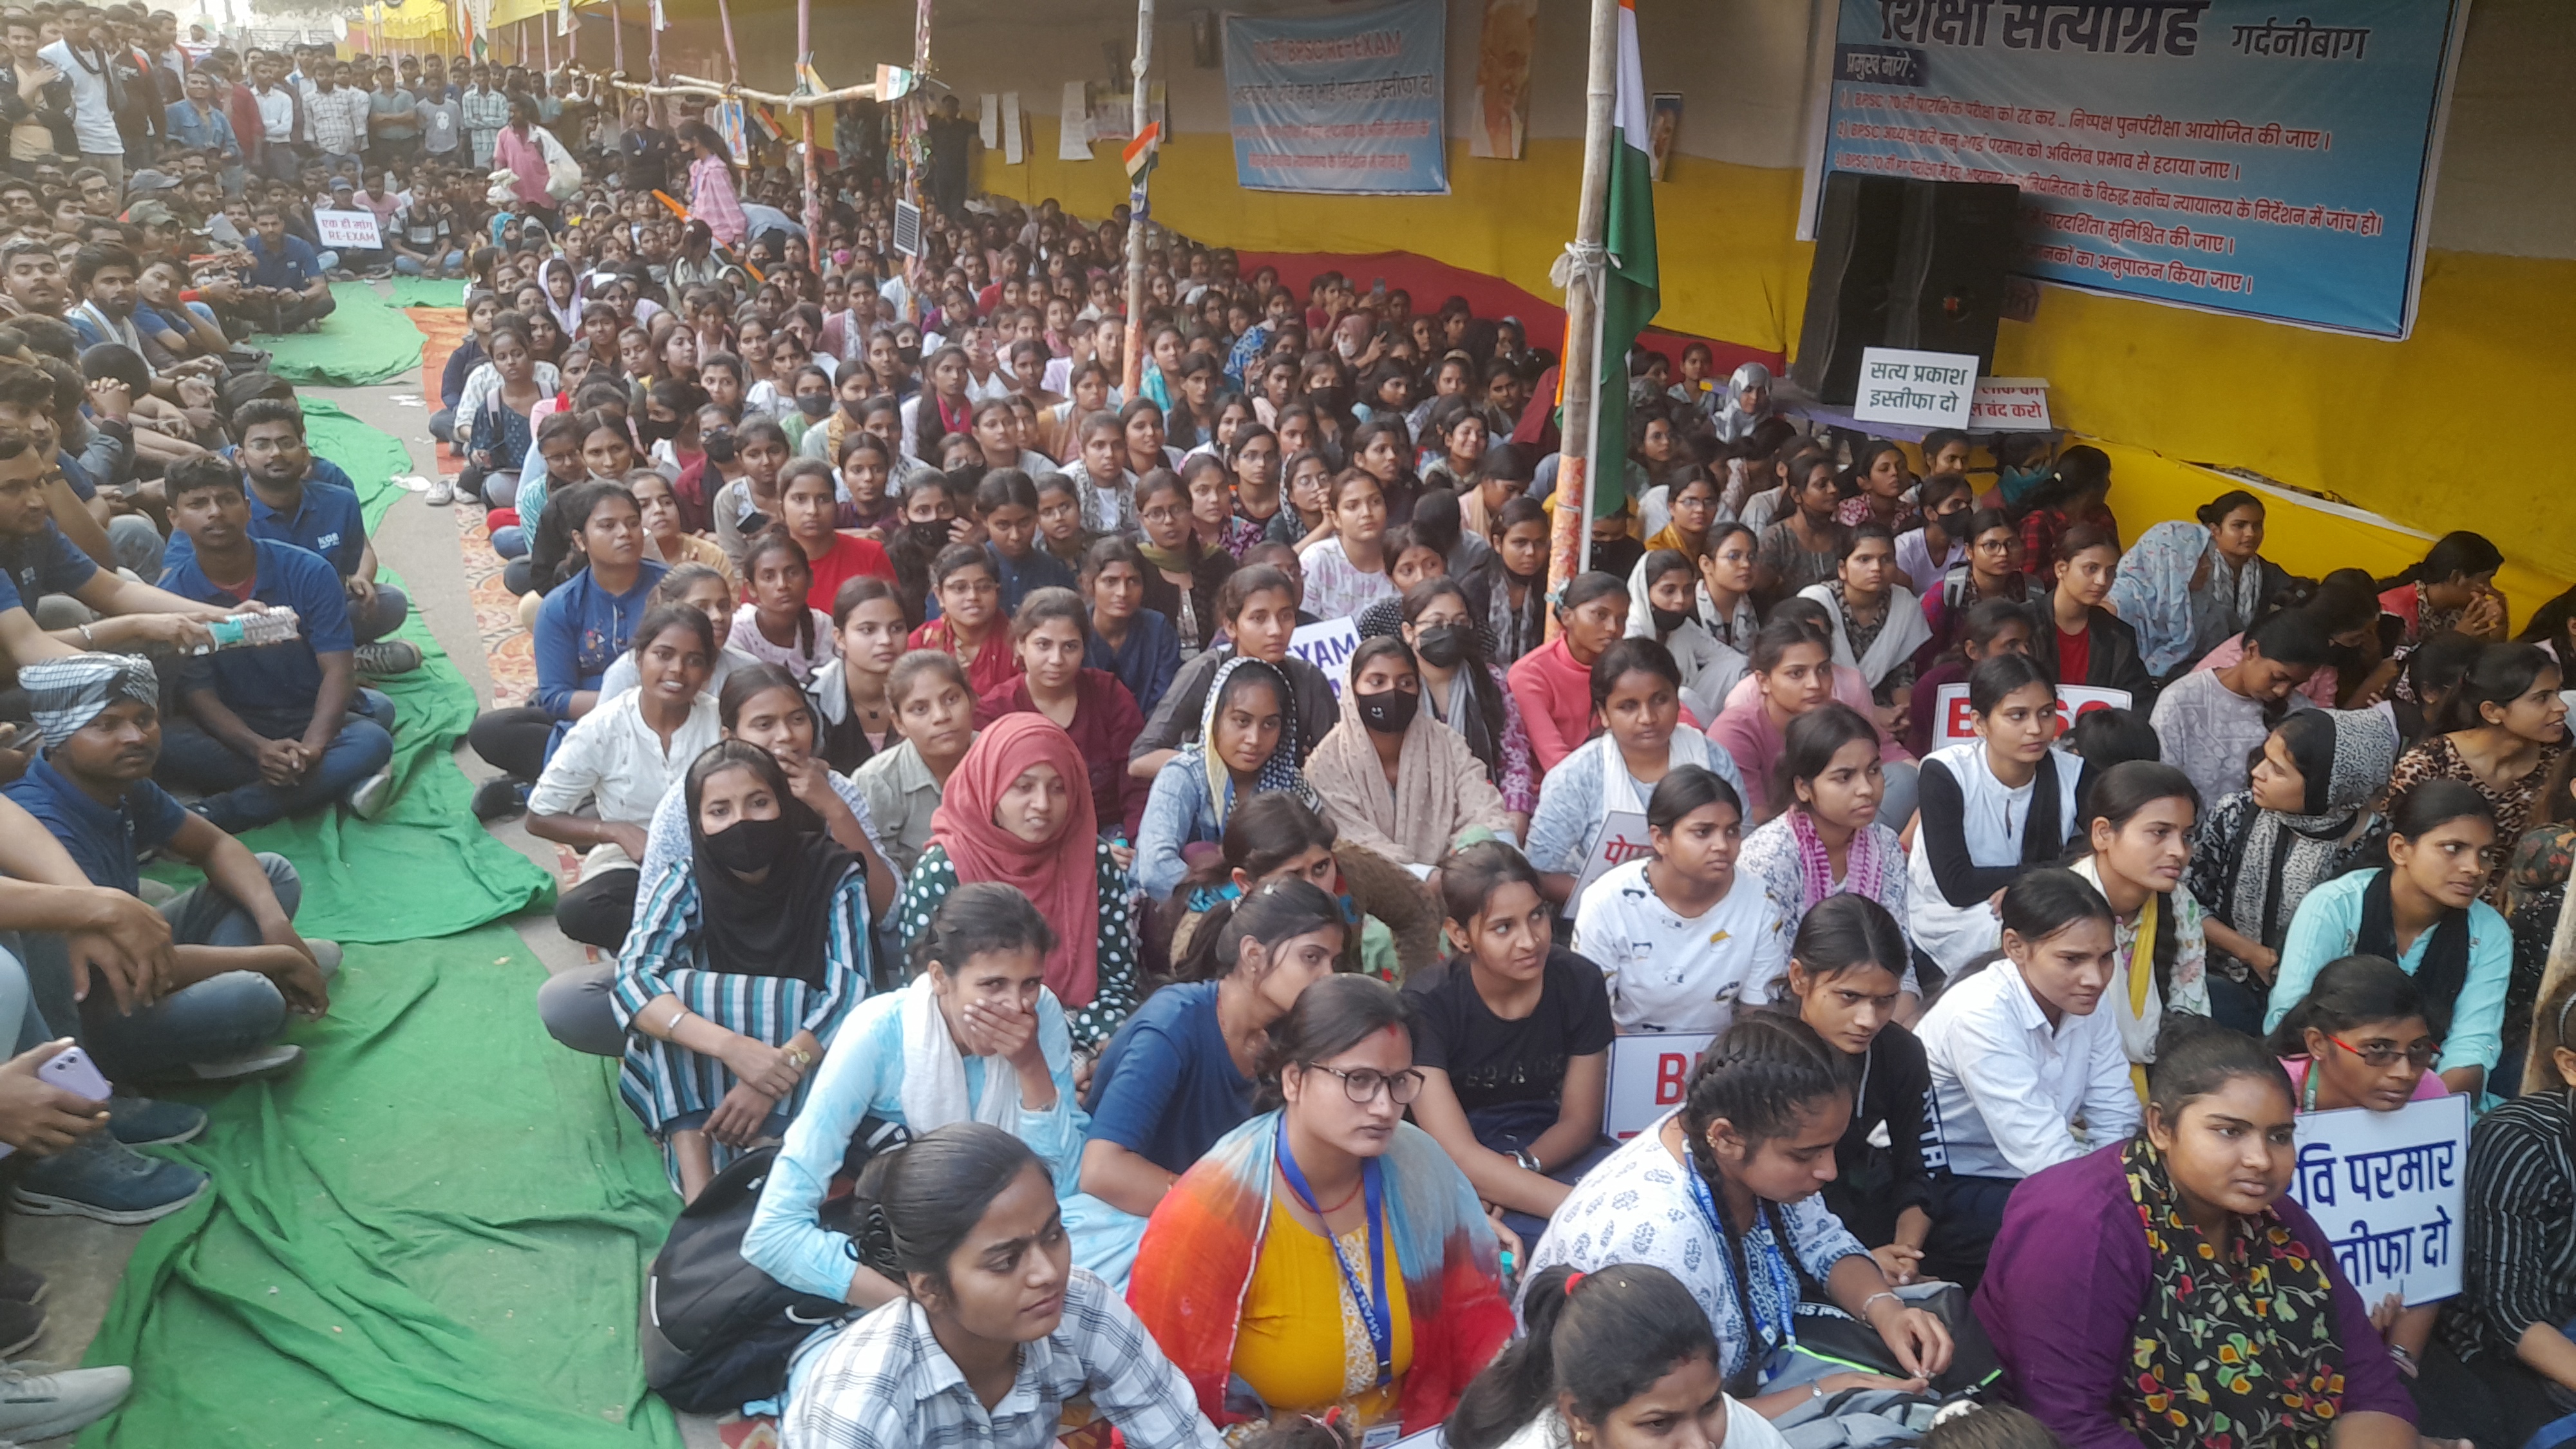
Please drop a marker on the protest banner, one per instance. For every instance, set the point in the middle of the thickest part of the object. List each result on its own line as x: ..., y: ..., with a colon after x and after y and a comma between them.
x: 347, y: 231
x: 1622, y: 839
x: 2389, y: 1188
x: 2231, y: 155
x: 1345, y: 101
x: 1328, y: 645
x: 1916, y: 389
x: 1953, y: 721
x: 1648, y: 1073
x: 2009, y: 405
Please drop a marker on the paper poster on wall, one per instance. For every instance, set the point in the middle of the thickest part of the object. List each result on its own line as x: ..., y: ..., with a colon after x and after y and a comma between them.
x: 2242, y: 156
x: 1347, y: 102
x: 1503, y: 51
x: 1954, y: 721
x: 988, y: 120
x: 2010, y: 405
x: 347, y: 230
x: 1073, y: 139
x: 1015, y: 146
x: 727, y: 119
x: 2390, y: 1190
x: 1648, y: 1073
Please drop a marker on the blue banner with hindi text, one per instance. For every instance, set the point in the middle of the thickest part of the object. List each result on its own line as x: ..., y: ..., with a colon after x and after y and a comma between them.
x: 1344, y: 101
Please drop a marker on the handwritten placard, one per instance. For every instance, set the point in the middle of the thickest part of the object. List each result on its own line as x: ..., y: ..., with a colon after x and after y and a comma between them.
x: 1648, y: 1074
x: 2389, y: 1188
x: 2009, y: 405
x: 1328, y: 645
x: 1953, y: 720
x: 347, y: 230
x: 1920, y: 389
x: 1623, y: 838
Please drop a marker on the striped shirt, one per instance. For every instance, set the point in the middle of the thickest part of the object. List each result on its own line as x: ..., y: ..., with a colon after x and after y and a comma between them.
x: 665, y: 955
x: 885, y: 1383
x: 2520, y: 1238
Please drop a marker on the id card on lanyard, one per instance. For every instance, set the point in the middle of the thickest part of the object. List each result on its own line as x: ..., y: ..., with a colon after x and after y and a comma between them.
x: 1375, y: 1312
x: 1739, y: 1253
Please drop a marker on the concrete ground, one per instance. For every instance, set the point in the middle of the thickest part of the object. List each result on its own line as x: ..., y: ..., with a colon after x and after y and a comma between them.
x: 83, y: 1259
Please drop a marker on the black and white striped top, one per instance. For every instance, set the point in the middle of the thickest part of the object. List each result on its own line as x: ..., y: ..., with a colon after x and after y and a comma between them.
x: 2521, y: 1239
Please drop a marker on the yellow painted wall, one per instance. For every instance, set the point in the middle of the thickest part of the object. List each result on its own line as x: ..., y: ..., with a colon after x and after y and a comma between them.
x: 2434, y: 432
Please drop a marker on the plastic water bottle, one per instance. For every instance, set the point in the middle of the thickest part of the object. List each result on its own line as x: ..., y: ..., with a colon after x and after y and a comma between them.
x: 250, y: 631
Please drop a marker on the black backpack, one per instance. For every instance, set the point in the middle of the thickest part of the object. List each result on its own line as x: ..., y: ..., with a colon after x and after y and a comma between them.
x: 716, y: 1331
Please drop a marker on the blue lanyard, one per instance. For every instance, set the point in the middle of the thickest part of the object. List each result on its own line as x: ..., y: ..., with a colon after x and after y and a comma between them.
x: 1372, y: 1310
x: 1739, y: 1252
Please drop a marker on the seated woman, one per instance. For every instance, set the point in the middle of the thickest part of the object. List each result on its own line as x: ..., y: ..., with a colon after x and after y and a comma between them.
x: 1462, y: 690
x: 1828, y: 841
x: 1015, y: 811
x: 853, y: 711
x: 621, y: 759
x: 2304, y: 820
x: 1722, y: 1194
x: 2121, y: 1279
x: 969, y: 624
x: 1127, y: 639
x: 2163, y: 593
x: 2074, y: 638
x: 1991, y: 573
x: 1623, y: 1351
x: 1663, y: 606
x: 1051, y: 637
x: 1179, y: 1075
x: 1636, y: 689
x: 1846, y: 978
x: 2505, y: 1364
x: 1273, y: 837
x: 1877, y: 622
x: 702, y: 589
x: 2135, y: 826
x: 1326, y: 1254
x: 2421, y: 911
x: 1247, y: 744
x: 1753, y: 736
x: 971, y: 1231
x: 935, y: 715
x: 776, y: 624
x: 1681, y: 936
x: 1990, y: 627
x: 1181, y: 578
x: 1993, y: 807
x: 976, y: 1037
x: 740, y: 969
x: 2453, y: 588
x: 1553, y: 681
x: 1346, y: 570
x: 1258, y: 607
x: 1397, y: 781
x: 2027, y: 1072
x: 1513, y: 1041
x: 2535, y: 891
x: 2241, y: 581
x: 2501, y: 729
x: 2209, y: 720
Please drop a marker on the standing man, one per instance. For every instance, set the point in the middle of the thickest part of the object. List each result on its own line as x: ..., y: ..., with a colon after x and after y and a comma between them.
x: 338, y: 118
x: 199, y: 124
x: 35, y: 99
x: 82, y: 54
x: 393, y: 121
x: 439, y: 119
x: 280, y: 109
x: 487, y: 110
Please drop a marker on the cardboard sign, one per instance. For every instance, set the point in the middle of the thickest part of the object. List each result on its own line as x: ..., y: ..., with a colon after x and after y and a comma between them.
x: 1328, y: 645
x: 2009, y: 405
x: 1648, y: 1073
x: 1954, y: 721
x: 1622, y: 839
x: 1918, y: 389
x: 2387, y: 1187
x: 353, y: 231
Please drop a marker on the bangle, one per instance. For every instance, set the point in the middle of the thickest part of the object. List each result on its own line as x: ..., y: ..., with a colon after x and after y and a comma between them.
x: 678, y: 1014
x: 1863, y: 1315
x: 1528, y: 1162
x: 88, y: 638
x: 2405, y: 1361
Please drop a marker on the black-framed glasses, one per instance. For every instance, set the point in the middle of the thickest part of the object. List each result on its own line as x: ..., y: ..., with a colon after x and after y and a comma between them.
x: 1364, y: 1083
x: 2381, y: 1055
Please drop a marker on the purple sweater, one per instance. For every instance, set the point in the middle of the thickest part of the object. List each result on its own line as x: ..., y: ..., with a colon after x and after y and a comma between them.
x: 2064, y: 1286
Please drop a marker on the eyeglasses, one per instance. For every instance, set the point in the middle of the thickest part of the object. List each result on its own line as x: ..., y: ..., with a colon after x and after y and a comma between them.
x: 2380, y: 1054
x: 1364, y: 1083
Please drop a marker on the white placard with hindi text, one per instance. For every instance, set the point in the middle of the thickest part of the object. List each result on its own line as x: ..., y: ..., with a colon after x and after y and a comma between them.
x: 2010, y: 405
x: 2390, y: 1190
x: 347, y: 230
x: 1954, y: 721
x: 1648, y: 1074
x: 1328, y: 645
x: 1623, y: 838
x: 1919, y: 389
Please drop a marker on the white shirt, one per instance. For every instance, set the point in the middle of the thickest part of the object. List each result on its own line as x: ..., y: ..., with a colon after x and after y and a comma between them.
x: 612, y: 757
x: 1673, y: 973
x: 1915, y: 558
x: 2207, y: 731
x: 276, y: 112
x: 2007, y: 1088
x: 1745, y: 1429
x: 93, y: 124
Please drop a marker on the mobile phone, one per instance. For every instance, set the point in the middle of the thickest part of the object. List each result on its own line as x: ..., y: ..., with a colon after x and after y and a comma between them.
x: 72, y: 1070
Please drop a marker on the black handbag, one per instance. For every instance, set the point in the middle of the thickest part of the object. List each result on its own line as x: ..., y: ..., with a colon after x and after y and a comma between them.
x: 1826, y: 1332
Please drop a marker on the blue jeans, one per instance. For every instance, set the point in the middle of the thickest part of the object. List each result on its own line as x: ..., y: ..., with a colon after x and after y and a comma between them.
x: 392, y: 607
x: 221, y: 1016
x: 510, y: 541
x: 450, y: 261
x: 238, y: 799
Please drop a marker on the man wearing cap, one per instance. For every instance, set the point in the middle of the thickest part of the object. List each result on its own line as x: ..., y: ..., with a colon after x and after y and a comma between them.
x: 237, y: 966
x: 280, y: 729
x: 344, y: 197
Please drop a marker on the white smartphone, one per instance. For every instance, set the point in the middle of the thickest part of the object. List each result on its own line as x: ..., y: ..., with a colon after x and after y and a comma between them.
x: 73, y: 1071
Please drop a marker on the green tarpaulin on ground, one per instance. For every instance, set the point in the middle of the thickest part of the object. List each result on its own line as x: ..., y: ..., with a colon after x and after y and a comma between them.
x: 424, y: 292
x: 427, y: 868
x: 432, y: 1235
x: 366, y: 339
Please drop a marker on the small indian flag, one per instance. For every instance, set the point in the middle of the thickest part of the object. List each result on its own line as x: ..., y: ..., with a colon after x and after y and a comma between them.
x: 1631, y: 294
x: 1141, y: 152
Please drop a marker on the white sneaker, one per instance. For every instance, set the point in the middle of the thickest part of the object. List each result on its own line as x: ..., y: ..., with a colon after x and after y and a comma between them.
x: 369, y: 797
x: 442, y: 492
x: 249, y: 1066
x: 44, y: 1406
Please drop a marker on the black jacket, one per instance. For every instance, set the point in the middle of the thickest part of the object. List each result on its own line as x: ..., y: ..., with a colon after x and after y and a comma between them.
x: 53, y: 111
x: 2116, y: 663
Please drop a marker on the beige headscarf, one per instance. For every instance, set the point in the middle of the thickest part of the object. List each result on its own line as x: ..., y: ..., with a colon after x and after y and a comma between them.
x: 1441, y: 791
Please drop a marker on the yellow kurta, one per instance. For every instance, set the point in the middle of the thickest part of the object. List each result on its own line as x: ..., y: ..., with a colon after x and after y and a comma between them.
x: 1293, y: 1291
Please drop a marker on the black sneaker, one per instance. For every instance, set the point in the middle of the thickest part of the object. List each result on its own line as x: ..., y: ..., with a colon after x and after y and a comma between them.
x: 499, y: 798
x: 21, y: 1284
x: 21, y: 1324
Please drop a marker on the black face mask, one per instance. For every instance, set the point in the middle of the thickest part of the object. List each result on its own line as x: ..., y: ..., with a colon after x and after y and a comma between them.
x: 1441, y: 645
x: 1667, y: 620
x: 748, y: 845
x: 718, y: 444
x: 911, y: 356
x: 813, y: 405
x: 928, y: 537
x: 1390, y: 713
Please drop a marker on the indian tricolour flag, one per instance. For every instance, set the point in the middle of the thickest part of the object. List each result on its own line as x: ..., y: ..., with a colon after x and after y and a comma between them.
x: 1630, y: 294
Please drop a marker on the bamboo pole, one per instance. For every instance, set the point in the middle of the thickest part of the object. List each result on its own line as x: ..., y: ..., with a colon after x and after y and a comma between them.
x: 1570, y: 542
x: 733, y: 61
x: 1134, y: 371
x: 813, y: 168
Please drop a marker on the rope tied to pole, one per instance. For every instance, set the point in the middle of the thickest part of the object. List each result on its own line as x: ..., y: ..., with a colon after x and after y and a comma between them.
x: 1590, y: 260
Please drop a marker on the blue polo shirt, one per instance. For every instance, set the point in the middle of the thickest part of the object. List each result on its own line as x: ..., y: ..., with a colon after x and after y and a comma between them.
x: 105, y: 841
x: 38, y: 564
x: 328, y: 521
x: 292, y: 266
x: 1166, y: 1088
x: 277, y: 678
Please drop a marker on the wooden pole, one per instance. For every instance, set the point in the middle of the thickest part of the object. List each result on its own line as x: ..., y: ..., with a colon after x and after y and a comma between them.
x: 617, y: 39
x: 813, y: 167
x: 1570, y: 542
x: 733, y: 61
x: 1134, y: 372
